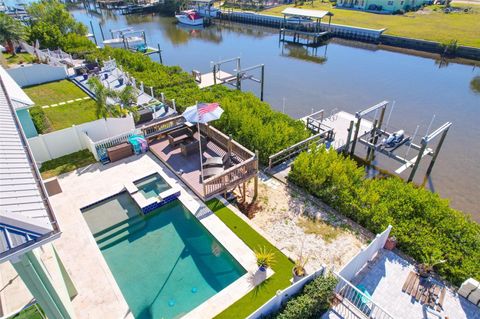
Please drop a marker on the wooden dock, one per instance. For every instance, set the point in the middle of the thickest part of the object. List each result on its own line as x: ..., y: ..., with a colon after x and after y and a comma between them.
x: 340, y: 122
x: 209, y: 79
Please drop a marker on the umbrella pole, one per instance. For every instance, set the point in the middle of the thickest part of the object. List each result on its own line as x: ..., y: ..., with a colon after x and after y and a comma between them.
x: 200, y: 148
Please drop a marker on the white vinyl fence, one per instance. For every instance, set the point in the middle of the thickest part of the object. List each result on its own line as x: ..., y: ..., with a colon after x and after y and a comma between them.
x: 59, y: 143
x: 276, y: 302
x: 360, y: 260
x: 34, y: 74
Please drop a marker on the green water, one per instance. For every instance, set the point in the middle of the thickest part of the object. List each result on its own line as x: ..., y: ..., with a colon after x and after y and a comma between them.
x: 152, y: 186
x: 166, y: 264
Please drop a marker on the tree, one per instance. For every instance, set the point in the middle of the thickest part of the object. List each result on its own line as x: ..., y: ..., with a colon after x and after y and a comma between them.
x: 11, y: 31
x: 125, y: 98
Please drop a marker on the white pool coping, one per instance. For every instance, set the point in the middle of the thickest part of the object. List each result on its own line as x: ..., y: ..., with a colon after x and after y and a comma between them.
x: 98, y: 291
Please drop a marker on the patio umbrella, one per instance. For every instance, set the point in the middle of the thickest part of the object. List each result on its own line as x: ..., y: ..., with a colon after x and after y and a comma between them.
x: 202, y: 113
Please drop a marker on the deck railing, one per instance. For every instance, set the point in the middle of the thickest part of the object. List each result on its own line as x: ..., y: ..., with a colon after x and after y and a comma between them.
x: 160, y: 128
x: 226, y: 142
x: 350, y: 296
x: 295, y: 149
x: 230, y: 178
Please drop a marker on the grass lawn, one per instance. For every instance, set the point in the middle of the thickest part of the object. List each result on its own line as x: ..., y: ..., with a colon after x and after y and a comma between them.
x: 66, y: 163
x: 429, y: 24
x: 19, y: 58
x: 54, y: 92
x: 282, y: 267
x: 63, y: 116
x: 29, y: 313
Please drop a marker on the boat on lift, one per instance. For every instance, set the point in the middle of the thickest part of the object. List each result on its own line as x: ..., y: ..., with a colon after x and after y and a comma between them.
x: 123, y: 38
x: 189, y: 17
x: 393, y: 139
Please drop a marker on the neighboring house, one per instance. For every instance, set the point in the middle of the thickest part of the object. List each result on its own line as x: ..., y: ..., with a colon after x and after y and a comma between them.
x: 27, y: 223
x: 382, y: 6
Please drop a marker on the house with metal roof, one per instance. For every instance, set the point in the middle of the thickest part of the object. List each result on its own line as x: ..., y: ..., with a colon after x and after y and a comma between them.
x: 382, y: 6
x: 27, y: 221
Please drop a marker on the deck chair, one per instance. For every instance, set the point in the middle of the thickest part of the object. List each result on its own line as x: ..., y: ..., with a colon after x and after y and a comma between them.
x: 212, y: 171
x: 218, y: 161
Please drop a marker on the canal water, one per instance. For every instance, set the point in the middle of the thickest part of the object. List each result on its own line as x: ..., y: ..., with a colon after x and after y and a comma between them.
x: 342, y: 75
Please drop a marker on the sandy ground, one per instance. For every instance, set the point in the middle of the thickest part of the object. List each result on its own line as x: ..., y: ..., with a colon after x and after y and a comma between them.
x: 300, y: 227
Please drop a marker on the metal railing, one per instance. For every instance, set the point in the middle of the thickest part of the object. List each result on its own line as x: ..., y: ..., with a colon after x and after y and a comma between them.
x: 297, y: 148
x: 350, y: 296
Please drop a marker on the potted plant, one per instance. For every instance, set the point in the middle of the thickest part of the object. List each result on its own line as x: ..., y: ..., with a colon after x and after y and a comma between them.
x: 265, y: 258
x: 298, y: 270
x: 425, y: 269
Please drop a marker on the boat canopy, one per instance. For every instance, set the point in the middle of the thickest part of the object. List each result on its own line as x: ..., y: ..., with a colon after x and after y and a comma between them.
x: 316, y: 14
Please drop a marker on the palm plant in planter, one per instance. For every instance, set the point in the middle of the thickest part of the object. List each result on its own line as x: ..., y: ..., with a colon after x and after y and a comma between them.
x: 265, y: 258
x: 298, y: 270
x: 426, y: 268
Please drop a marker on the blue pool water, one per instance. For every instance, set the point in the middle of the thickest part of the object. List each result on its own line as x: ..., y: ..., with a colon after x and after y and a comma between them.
x: 152, y: 186
x: 165, y: 264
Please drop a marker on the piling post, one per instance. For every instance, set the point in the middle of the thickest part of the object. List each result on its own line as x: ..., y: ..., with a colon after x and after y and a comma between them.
x: 349, y: 136
x: 417, y: 162
x: 163, y: 97
x: 174, y: 105
x: 93, y: 32
x: 437, y: 151
x: 159, y: 53
x: 370, y: 150
x: 255, y: 181
x: 355, y: 137
x: 101, y: 31
x: 151, y: 91
x: 261, y: 82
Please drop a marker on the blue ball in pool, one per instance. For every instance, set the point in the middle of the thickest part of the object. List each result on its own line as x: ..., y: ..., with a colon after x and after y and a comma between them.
x: 171, y: 302
x: 194, y: 290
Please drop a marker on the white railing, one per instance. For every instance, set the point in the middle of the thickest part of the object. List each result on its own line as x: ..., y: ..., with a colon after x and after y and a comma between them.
x: 282, y: 296
x: 363, y: 305
x: 101, y: 146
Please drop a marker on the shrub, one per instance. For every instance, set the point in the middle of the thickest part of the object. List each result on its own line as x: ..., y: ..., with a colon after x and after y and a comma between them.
x: 40, y: 120
x: 77, y: 45
x: 248, y: 120
x: 314, y: 300
x: 423, y: 223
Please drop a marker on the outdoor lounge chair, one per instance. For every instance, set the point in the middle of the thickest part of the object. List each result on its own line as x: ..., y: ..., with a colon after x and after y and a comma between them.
x: 178, y: 136
x: 212, y: 171
x: 218, y: 161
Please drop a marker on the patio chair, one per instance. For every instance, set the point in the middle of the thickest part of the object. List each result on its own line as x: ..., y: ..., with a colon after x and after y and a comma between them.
x: 212, y: 171
x: 178, y: 136
x: 218, y: 161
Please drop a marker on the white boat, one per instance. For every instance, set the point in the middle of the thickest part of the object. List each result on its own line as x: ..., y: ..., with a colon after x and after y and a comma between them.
x: 189, y: 17
x: 121, y: 39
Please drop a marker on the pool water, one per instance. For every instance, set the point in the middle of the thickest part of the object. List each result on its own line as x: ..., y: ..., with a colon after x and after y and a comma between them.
x: 165, y: 264
x: 152, y: 186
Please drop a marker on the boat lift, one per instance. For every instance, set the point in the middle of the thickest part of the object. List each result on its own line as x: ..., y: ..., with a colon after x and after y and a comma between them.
x: 372, y: 139
x: 218, y: 76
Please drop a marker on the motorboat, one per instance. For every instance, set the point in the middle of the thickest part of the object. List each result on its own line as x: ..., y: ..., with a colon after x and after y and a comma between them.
x: 123, y: 38
x: 394, y: 139
x: 299, y: 20
x: 189, y: 17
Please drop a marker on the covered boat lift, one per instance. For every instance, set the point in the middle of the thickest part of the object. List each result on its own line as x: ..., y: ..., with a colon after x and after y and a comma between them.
x: 312, y: 32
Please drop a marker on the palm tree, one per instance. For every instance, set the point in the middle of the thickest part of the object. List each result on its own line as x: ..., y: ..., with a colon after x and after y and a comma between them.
x: 125, y: 99
x: 11, y: 31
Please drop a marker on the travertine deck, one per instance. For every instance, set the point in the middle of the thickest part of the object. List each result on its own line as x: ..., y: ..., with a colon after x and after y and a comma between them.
x: 384, y: 281
x: 98, y: 294
x: 190, y: 166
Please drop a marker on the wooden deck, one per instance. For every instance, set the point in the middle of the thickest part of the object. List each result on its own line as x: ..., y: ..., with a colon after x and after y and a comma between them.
x: 187, y: 168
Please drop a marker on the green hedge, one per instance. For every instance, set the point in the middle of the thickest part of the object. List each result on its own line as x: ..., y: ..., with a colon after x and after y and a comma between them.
x: 248, y: 120
x: 424, y: 224
x: 40, y: 120
x: 312, y: 302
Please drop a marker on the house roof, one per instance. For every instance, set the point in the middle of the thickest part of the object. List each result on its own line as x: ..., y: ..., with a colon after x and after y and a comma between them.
x: 317, y: 14
x: 26, y: 220
x: 19, y: 99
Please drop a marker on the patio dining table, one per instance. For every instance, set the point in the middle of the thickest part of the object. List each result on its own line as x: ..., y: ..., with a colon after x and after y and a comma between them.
x: 425, y: 290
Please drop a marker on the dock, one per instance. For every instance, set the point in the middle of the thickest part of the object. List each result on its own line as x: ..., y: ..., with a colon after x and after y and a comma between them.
x: 309, y: 38
x: 210, y: 79
x: 336, y: 129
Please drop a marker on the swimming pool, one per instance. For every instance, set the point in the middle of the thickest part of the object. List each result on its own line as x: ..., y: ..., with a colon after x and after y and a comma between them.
x: 152, y: 186
x: 166, y: 263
